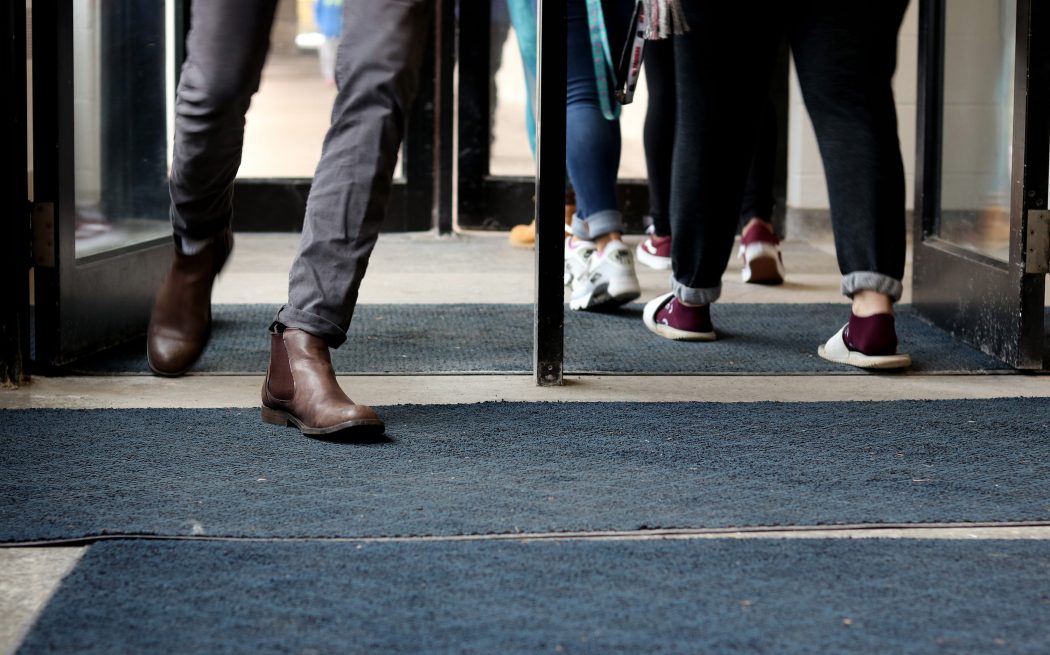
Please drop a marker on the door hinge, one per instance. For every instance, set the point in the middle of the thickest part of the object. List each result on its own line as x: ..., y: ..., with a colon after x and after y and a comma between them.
x: 1037, y: 242
x: 44, y: 234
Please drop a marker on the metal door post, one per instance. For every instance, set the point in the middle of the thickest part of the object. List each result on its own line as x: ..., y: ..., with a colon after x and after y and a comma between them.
x: 549, y: 338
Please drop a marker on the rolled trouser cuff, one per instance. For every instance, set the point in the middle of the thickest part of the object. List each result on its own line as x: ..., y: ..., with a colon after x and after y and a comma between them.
x: 597, y: 224
x: 870, y: 281
x: 692, y: 296
x: 332, y: 334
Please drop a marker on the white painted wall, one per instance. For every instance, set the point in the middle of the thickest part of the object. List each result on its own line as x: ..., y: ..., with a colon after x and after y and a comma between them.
x: 87, y: 125
x: 978, y: 91
x: 806, y: 187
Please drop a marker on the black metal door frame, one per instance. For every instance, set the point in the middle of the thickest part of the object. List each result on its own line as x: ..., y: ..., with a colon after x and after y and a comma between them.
x: 14, y: 248
x: 549, y: 317
x: 995, y: 306
x: 80, y: 306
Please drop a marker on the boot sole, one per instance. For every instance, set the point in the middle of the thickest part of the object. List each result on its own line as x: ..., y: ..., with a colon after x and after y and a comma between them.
x: 362, y: 427
x: 167, y: 374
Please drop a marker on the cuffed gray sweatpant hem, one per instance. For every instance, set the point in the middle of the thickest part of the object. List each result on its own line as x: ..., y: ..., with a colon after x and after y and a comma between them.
x: 692, y: 296
x: 316, y: 325
x: 870, y: 281
x: 597, y: 224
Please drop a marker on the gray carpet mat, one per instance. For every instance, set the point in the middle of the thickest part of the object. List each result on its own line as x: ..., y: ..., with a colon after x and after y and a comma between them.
x: 753, y: 339
x: 695, y: 596
x: 524, y: 467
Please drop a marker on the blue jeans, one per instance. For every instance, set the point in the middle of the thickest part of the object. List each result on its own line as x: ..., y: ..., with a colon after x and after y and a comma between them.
x: 592, y: 147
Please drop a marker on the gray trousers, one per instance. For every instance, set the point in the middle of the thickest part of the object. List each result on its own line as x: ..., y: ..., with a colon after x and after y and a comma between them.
x: 377, y: 68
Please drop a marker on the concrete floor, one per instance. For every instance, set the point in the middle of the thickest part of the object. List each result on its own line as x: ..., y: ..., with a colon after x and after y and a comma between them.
x: 477, y: 267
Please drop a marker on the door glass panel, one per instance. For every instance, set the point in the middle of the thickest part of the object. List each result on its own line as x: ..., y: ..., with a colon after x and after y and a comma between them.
x: 120, y: 95
x: 978, y: 125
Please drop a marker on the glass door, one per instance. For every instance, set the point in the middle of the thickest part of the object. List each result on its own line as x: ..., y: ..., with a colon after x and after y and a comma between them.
x: 103, y: 83
x: 981, y: 237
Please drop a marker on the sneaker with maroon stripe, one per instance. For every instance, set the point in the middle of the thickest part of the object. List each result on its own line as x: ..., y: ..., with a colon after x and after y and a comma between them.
x: 608, y: 281
x: 866, y: 342
x: 669, y: 318
x: 578, y: 254
x: 654, y: 251
x: 760, y: 253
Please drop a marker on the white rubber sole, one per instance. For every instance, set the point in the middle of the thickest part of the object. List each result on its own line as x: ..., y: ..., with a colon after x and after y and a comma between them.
x: 666, y: 331
x: 835, y: 350
x: 650, y: 260
x: 605, y: 294
x: 762, y: 264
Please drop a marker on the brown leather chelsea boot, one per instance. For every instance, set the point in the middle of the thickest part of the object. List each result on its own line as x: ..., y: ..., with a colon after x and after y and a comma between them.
x: 301, y: 390
x: 180, y: 323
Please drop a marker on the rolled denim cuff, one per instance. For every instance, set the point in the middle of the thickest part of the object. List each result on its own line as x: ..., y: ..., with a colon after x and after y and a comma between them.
x: 692, y: 296
x: 869, y: 281
x: 318, y: 326
x: 579, y: 227
x: 597, y: 224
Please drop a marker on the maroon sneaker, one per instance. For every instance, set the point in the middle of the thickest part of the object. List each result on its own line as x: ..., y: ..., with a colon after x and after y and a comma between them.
x: 654, y: 252
x: 760, y: 253
x: 671, y: 319
x: 866, y: 342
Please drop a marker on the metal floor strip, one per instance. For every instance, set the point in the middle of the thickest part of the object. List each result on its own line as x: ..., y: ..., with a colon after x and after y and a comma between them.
x: 984, y: 530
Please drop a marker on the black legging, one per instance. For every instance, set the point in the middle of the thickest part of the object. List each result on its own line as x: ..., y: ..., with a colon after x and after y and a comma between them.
x: 659, y: 143
x: 845, y: 54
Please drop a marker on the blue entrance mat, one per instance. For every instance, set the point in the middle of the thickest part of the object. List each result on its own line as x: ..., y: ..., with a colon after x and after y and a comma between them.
x: 753, y: 339
x: 524, y: 467
x: 655, y: 596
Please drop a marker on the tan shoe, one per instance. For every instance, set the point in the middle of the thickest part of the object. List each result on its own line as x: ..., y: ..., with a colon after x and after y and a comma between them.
x: 301, y: 390
x: 180, y: 323
x: 524, y: 236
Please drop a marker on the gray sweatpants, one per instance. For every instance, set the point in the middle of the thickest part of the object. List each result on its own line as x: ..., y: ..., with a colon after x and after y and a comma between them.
x: 376, y: 73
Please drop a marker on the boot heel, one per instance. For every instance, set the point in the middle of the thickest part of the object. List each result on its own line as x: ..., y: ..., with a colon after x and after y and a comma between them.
x: 274, y: 417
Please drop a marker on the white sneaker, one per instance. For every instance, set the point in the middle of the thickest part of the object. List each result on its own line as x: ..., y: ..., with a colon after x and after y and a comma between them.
x: 576, y: 257
x: 609, y: 279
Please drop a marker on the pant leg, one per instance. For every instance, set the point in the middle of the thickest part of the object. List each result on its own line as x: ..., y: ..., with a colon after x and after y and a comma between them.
x: 225, y: 51
x: 658, y: 134
x: 716, y: 116
x: 845, y: 54
x: 758, y: 194
x: 592, y: 149
x: 377, y: 69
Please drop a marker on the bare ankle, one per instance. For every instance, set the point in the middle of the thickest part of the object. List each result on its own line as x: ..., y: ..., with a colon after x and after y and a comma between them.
x: 869, y: 303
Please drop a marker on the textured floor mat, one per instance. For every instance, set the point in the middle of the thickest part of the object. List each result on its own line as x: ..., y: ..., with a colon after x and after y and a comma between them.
x: 753, y: 339
x: 659, y: 596
x: 524, y: 467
